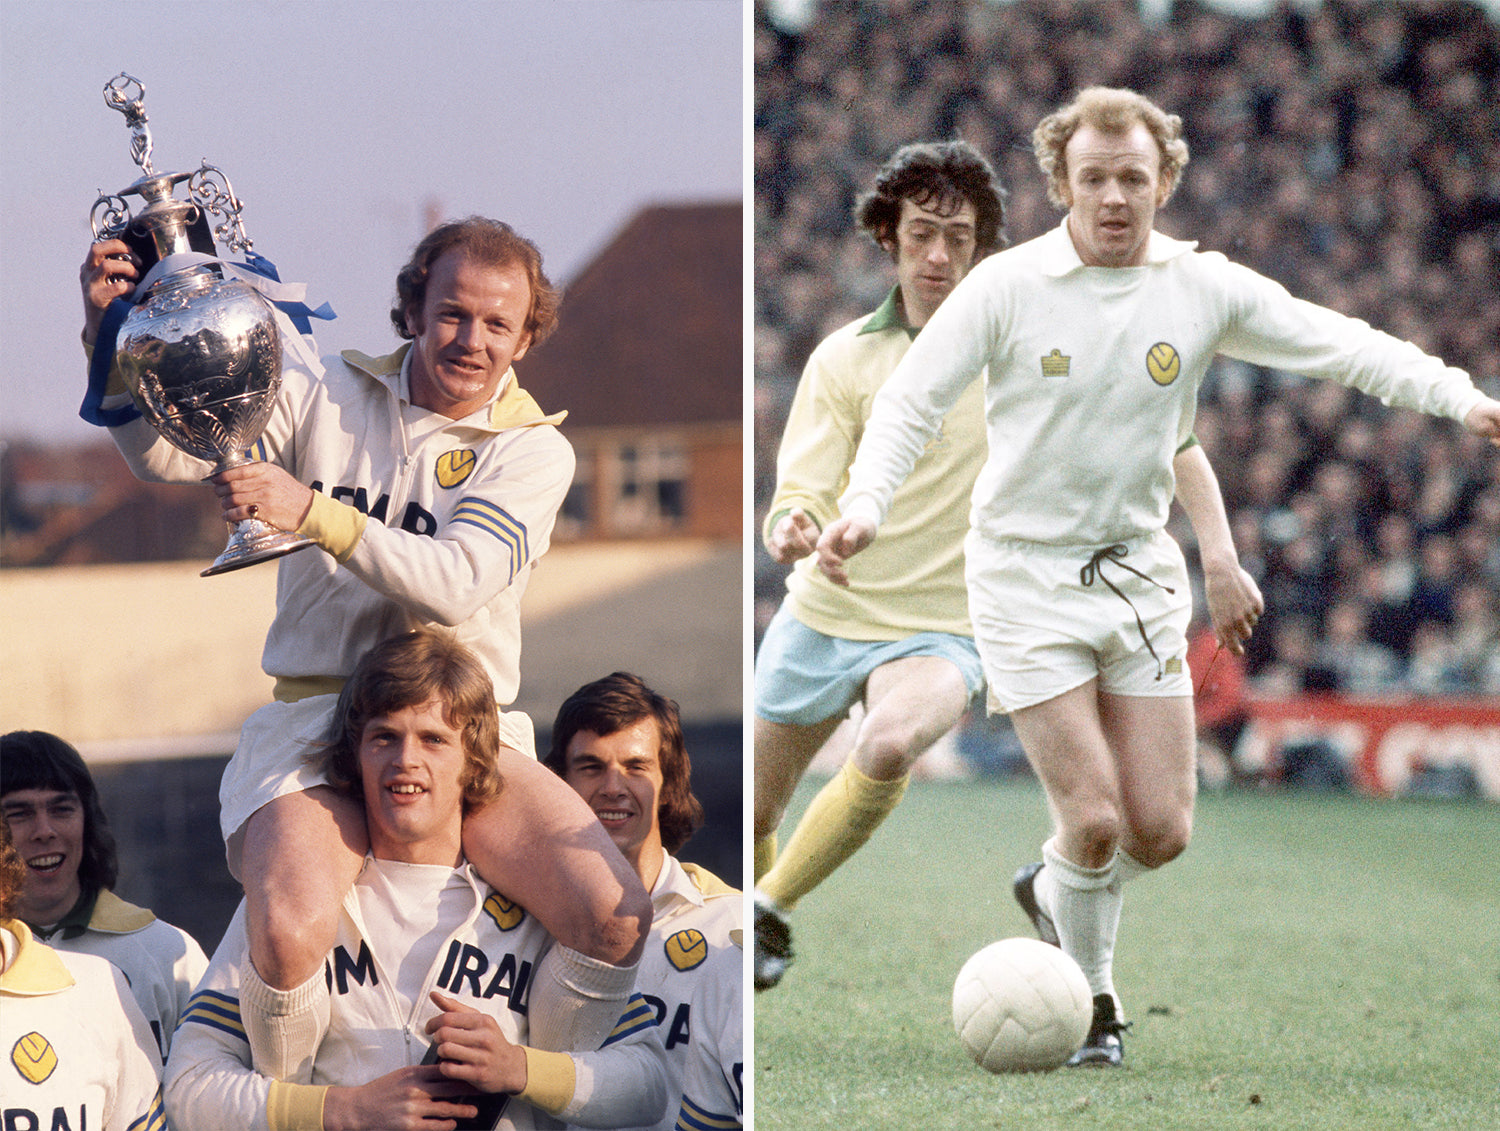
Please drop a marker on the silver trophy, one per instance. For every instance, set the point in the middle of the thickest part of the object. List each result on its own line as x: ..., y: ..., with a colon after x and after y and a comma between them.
x: 200, y: 351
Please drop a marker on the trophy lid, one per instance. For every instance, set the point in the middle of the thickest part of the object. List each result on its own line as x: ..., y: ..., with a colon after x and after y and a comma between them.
x: 166, y: 225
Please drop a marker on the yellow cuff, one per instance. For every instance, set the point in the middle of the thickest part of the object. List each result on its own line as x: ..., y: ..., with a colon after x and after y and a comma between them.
x: 551, y: 1078
x: 334, y: 526
x: 295, y: 1107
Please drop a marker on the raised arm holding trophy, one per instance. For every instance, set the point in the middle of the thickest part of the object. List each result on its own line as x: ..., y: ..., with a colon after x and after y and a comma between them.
x: 199, y: 349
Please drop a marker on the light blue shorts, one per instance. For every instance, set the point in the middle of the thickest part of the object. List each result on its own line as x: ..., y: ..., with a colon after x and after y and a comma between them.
x: 803, y: 677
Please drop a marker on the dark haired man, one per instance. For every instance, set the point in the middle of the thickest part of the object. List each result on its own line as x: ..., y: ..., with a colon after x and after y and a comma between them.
x: 51, y: 807
x: 620, y: 745
x: 435, y: 985
x: 897, y: 639
x: 430, y: 482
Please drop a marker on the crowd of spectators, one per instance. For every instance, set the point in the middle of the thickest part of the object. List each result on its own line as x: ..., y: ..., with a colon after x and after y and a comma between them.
x: 1346, y: 149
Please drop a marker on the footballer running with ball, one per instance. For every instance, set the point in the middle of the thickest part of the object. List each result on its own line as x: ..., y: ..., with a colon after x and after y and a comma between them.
x: 1093, y: 340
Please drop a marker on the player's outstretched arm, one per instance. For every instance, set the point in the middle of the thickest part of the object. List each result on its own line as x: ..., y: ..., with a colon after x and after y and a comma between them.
x: 1234, y: 600
x: 418, y: 1098
x: 844, y: 537
x: 794, y: 537
x: 1484, y: 420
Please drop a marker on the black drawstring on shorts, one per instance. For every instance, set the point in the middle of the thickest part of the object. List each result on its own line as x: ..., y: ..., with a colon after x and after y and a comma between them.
x: 1116, y: 554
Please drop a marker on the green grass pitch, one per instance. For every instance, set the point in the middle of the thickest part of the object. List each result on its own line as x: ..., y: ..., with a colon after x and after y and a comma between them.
x: 1313, y: 961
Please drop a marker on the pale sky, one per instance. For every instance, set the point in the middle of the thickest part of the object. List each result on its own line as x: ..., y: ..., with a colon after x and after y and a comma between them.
x: 339, y: 124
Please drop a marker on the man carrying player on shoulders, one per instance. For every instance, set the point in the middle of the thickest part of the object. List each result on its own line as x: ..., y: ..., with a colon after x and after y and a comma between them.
x: 436, y: 981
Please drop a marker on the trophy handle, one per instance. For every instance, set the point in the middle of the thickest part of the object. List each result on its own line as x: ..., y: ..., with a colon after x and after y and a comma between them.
x: 210, y: 190
x: 109, y: 218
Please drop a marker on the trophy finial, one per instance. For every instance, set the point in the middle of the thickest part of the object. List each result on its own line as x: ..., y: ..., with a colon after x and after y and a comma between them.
x: 127, y: 94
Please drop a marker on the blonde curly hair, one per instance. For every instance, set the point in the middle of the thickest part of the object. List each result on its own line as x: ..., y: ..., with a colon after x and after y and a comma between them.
x: 1112, y: 110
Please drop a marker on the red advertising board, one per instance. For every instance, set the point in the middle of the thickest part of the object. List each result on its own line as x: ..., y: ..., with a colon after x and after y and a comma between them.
x: 1384, y: 744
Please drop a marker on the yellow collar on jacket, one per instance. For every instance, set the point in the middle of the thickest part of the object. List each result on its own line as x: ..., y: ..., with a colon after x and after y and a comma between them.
x: 31, y: 969
x: 114, y: 916
x: 514, y: 408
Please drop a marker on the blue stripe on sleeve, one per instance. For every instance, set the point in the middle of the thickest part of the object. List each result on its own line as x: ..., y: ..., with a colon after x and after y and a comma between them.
x: 155, y: 1118
x: 217, y: 1011
x: 638, y: 1015
x: 691, y: 1117
x: 494, y: 520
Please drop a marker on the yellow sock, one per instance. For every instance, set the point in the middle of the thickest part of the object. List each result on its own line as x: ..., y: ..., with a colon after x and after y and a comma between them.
x: 765, y: 855
x: 840, y: 819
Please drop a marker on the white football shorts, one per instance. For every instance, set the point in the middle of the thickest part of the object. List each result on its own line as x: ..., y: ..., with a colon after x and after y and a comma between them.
x: 1046, y: 623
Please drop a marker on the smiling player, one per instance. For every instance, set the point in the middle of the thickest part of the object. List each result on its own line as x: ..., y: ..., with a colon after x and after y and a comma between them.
x: 620, y: 745
x: 436, y: 981
x: 1093, y: 340
x: 51, y: 806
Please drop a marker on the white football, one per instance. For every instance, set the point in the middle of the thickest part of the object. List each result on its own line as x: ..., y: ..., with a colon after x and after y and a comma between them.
x: 1020, y: 1005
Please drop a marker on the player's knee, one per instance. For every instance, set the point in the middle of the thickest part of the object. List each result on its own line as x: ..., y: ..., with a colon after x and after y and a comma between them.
x: 887, y: 752
x: 1093, y: 835
x: 288, y: 943
x: 1162, y: 841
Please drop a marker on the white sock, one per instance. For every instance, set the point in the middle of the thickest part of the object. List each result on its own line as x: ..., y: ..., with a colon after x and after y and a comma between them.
x: 284, y: 1027
x: 575, y: 1000
x: 1085, y: 906
x: 1127, y: 868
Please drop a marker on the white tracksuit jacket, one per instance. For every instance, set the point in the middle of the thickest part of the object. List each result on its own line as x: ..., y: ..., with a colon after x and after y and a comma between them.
x: 161, y: 962
x: 461, y: 511
x: 488, y: 953
x: 692, y: 976
x: 77, y: 1051
x: 420, y: 520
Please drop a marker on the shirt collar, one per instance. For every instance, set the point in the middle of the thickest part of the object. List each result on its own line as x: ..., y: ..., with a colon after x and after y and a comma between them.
x: 1062, y: 257
x: 31, y: 969
x: 674, y: 884
x: 889, y: 315
x: 75, y: 922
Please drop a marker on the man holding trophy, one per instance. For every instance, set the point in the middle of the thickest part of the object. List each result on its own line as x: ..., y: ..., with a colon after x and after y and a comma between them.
x: 428, y: 481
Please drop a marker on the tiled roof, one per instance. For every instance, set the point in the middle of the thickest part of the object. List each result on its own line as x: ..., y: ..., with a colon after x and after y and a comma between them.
x: 650, y: 331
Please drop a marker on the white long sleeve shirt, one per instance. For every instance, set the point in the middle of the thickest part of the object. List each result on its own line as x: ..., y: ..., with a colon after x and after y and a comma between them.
x: 1093, y: 378
x: 692, y: 976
